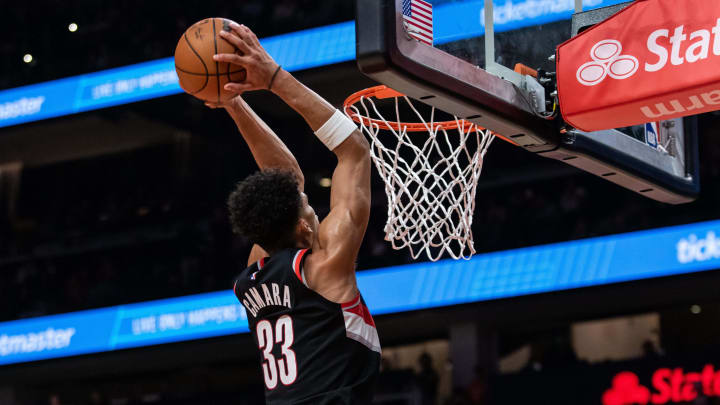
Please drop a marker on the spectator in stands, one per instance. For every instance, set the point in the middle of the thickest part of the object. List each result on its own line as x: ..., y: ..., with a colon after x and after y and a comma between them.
x: 54, y: 399
x: 458, y: 397
x: 478, y: 389
x: 96, y: 398
x: 428, y: 379
x: 649, y: 350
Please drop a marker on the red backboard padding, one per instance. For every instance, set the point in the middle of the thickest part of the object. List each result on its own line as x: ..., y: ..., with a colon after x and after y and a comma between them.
x: 653, y: 60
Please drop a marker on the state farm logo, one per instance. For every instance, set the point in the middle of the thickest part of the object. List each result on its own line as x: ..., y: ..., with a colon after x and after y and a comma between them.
x: 626, y: 390
x: 669, y: 386
x: 607, y: 60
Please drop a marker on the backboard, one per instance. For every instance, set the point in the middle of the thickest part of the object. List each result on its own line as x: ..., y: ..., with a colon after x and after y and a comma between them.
x: 460, y: 56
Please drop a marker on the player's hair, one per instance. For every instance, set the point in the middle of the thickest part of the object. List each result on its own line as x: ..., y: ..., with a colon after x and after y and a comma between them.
x: 265, y: 208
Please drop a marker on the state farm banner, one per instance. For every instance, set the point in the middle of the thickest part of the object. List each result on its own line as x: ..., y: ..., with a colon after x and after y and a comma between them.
x: 654, y: 60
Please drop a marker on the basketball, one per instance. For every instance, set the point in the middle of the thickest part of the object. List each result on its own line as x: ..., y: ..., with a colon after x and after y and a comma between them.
x: 198, y: 73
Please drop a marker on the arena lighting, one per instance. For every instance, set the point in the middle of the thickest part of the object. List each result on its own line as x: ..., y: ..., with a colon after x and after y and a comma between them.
x: 325, y: 182
x: 695, y: 309
x: 72, y: 27
x: 27, y: 58
x: 295, y: 51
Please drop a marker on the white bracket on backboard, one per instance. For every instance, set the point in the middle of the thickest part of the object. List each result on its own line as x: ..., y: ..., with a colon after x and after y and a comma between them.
x: 527, y: 84
x: 490, y: 65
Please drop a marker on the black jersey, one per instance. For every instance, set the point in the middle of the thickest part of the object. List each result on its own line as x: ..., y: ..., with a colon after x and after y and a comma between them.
x: 312, y: 350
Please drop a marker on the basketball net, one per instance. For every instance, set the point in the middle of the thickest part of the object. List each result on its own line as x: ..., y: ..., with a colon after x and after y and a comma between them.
x: 430, y: 181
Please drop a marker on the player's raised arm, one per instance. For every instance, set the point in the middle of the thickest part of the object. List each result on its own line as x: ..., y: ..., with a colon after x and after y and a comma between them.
x: 266, y: 147
x: 341, y: 233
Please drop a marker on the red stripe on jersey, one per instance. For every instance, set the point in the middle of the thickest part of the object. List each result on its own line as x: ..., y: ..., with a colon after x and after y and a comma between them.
x: 261, y: 263
x: 350, y: 303
x: 361, y: 310
x: 297, y: 261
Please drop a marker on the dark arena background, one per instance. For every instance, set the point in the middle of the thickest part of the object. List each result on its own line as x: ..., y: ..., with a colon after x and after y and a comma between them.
x: 117, y: 258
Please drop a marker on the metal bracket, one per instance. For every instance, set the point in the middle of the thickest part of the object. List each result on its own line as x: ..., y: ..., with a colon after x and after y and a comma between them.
x: 535, y: 92
x: 490, y: 65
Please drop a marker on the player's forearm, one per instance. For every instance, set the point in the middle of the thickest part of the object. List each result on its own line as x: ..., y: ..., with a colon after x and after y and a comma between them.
x: 313, y: 108
x: 266, y: 147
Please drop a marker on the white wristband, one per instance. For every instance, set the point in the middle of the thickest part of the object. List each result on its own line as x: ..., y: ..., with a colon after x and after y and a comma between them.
x: 337, y: 129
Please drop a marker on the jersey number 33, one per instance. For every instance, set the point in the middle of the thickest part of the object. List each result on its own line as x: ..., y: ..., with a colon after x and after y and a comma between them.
x: 285, y: 367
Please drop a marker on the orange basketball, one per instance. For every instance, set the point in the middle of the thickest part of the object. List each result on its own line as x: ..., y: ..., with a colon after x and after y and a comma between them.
x: 199, y: 74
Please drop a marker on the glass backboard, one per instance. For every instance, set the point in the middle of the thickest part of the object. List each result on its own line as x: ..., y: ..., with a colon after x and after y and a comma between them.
x: 525, y: 31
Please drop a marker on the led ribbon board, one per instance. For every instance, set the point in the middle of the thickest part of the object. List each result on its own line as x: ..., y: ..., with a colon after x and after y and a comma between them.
x: 294, y: 51
x: 562, y: 266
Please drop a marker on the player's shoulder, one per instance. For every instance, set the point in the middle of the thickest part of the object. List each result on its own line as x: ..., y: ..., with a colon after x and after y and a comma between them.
x: 284, y: 258
x: 328, y: 276
x: 283, y: 261
x: 244, y: 278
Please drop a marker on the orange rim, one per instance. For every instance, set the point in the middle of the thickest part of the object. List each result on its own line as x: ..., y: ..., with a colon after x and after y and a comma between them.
x: 383, y: 92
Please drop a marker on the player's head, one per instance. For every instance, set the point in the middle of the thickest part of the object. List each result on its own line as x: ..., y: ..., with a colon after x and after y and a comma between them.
x: 269, y: 209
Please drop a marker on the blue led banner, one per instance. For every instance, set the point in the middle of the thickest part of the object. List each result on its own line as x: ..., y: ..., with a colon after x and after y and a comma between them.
x: 466, y: 19
x: 561, y: 266
x: 295, y: 51
x: 88, y: 92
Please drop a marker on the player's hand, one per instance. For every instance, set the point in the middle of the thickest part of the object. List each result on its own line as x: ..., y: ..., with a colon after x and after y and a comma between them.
x: 259, y: 65
x: 214, y: 105
x: 223, y: 104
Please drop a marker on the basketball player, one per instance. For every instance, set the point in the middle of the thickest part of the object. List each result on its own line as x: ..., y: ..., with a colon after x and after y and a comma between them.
x: 317, y: 341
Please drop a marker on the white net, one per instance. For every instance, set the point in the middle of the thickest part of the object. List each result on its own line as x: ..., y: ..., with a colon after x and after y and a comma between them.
x: 430, y: 177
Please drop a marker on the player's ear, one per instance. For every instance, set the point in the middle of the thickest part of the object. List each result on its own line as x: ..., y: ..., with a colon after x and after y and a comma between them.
x: 303, y: 233
x: 306, y: 225
x: 303, y: 227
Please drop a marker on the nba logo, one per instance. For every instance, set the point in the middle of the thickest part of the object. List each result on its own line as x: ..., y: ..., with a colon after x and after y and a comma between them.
x: 252, y: 276
x: 651, y: 134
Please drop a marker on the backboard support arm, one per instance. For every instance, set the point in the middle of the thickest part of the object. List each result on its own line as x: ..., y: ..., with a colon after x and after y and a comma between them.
x: 490, y: 65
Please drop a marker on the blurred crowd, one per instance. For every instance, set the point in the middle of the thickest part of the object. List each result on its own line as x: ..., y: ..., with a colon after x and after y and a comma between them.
x: 127, y: 228
x: 416, y: 385
x: 132, y: 31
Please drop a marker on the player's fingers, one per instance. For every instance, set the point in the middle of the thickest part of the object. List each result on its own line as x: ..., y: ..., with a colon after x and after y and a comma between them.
x: 242, y: 32
x: 250, y: 35
x: 232, y: 58
x: 235, y: 41
x: 239, y: 87
x: 211, y: 105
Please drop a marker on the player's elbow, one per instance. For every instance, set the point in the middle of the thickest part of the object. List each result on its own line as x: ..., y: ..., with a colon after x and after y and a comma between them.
x: 356, y: 147
x: 363, y: 144
x: 362, y: 148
